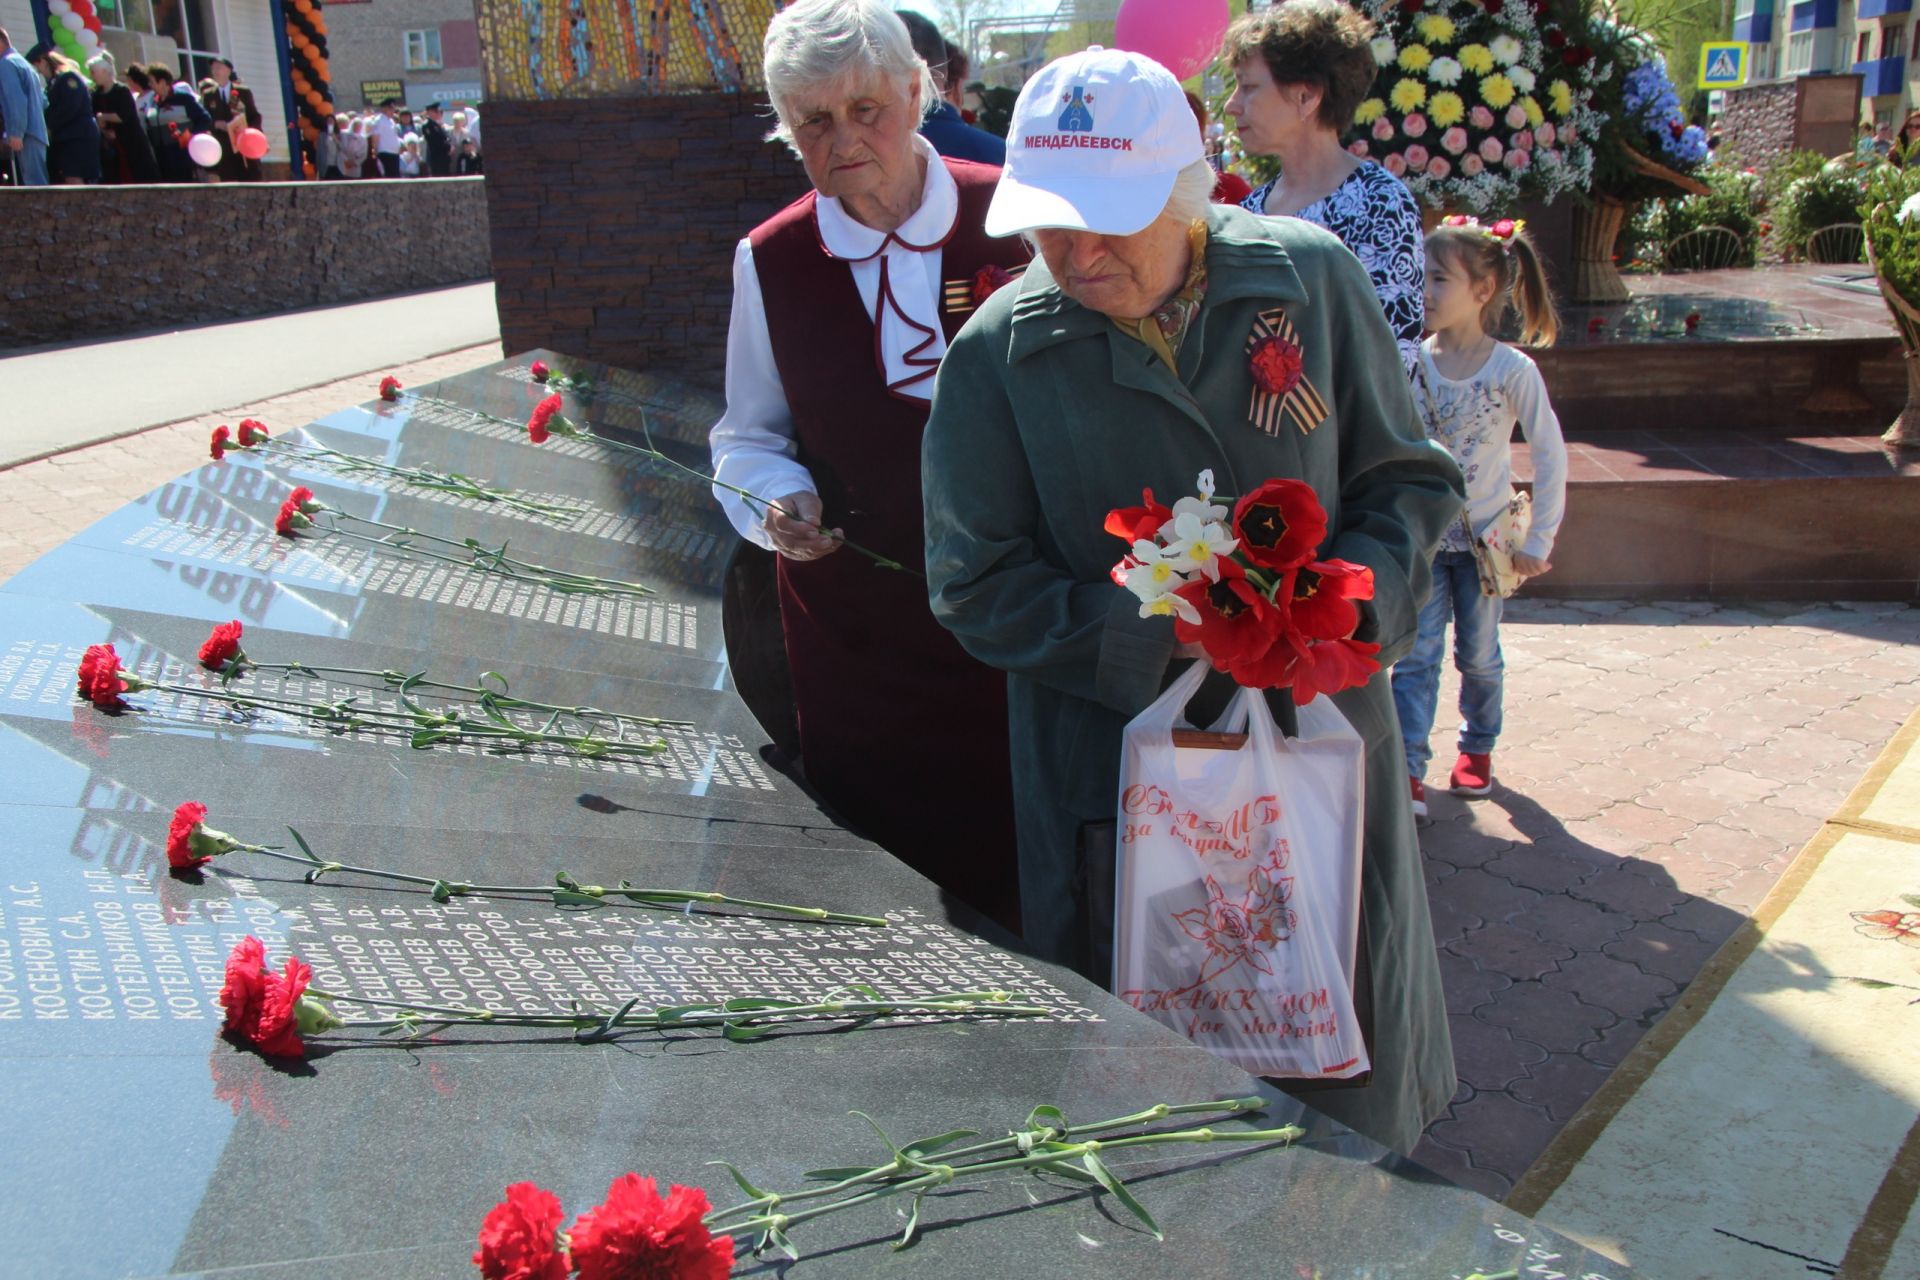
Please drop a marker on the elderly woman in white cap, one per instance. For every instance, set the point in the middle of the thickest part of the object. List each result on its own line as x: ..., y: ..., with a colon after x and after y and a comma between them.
x: 843, y: 306
x: 1121, y: 361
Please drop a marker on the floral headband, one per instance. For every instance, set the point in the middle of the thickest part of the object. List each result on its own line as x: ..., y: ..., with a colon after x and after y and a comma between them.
x: 1502, y: 232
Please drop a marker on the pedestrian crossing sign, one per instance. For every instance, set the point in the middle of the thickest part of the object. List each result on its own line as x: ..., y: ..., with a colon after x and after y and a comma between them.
x: 1723, y: 65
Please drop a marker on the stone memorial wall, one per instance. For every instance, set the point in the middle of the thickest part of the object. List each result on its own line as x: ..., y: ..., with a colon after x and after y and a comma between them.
x: 153, y: 1144
x: 117, y: 261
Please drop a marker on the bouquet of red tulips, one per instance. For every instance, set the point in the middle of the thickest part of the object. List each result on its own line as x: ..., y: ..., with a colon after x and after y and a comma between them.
x: 1245, y: 584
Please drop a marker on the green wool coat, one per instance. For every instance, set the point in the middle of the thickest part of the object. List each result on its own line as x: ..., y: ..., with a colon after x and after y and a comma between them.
x: 1046, y: 417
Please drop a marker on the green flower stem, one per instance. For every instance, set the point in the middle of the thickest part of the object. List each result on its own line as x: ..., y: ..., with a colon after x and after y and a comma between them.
x: 446, y: 482
x: 564, y: 891
x: 745, y: 1016
x: 1023, y: 1140
x: 583, y: 430
x: 427, y: 727
x: 486, y: 694
x: 1058, y: 1156
x: 484, y: 558
x: 1497, y: 1275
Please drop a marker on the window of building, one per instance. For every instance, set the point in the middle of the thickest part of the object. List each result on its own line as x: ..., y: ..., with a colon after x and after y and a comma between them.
x: 423, y: 50
x: 126, y: 15
x: 1893, y: 38
x: 1799, y: 53
x: 1866, y: 43
x: 1916, y: 42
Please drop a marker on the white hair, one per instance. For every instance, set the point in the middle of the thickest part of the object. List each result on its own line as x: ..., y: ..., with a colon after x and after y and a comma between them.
x: 103, y: 59
x: 1192, y: 192
x: 816, y: 43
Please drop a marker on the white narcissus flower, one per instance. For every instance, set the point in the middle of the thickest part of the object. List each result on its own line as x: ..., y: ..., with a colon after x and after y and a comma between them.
x: 1153, y: 575
x: 1197, y: 545
x: 1444, y: 71
x: 1203, y: 506
x: 1505, y: 49
x: 1171, y: 606
x: 1383, y: 51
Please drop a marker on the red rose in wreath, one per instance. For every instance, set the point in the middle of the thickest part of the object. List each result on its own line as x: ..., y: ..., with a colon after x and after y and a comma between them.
x: 1276, y: 365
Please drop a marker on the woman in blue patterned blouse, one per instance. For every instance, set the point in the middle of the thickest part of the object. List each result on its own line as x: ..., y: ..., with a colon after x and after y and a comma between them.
x: 1300, y: 70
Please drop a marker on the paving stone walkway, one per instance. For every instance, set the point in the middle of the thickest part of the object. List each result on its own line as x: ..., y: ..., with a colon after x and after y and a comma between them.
x: 1661, y: 765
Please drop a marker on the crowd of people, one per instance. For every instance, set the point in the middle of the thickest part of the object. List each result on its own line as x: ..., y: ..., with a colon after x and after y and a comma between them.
x: 392, y: 142
x: 61, y: 123
x: 965, y: 365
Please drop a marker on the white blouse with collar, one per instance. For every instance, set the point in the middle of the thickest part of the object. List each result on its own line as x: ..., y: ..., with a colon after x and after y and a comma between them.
x: 753, y: 443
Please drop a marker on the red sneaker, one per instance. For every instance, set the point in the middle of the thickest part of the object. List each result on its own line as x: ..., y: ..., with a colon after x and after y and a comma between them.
x: 1473, y: 775
x: 1419, y: 789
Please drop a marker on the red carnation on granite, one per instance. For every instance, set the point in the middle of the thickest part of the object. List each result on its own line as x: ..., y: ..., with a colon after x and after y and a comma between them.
x: 1276, y: 365
x: 540, y: 374
x: 543, y: 414
x: 220, y: 437
x: 1280, y: 524
x: 290, y: 519
x: 101, y: 680
x: 987, y: 280
x: 1693, y: 321
x: 1595, y: 325
x: 252, y: 432
x: 302, y: 500
x: 390, y: 388
x: 520, y: 1237
x: 638, y: 1235
x: 186, y: 820
x: 222, y: 645
x: 245, y: 985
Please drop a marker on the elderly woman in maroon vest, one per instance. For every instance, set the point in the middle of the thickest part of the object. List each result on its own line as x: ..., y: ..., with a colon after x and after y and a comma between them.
x: 843, y: 306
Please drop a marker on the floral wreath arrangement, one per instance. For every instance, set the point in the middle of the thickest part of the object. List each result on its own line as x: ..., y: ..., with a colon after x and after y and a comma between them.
x: 1481, y: 103
x: 1645, y: 147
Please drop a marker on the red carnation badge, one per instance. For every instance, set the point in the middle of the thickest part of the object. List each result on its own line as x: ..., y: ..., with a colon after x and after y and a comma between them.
x: 987, y: 280
x: 1276, y: 365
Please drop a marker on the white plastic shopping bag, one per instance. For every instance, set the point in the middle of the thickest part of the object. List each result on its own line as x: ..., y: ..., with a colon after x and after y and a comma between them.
x: 1238, y: 897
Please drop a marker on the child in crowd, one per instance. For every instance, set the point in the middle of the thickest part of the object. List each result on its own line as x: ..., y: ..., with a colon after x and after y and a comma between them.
x: 1471, y: 389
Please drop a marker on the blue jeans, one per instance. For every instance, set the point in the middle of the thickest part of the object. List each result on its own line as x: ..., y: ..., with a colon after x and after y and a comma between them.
x: 1476, y: 655
x: 32, y: 160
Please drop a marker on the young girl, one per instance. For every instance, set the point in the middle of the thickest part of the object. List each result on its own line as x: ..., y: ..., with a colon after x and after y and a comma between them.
x: 1471, y: 389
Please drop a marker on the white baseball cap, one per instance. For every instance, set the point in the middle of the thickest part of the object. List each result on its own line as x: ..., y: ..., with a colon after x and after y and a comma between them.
x: 1097, y: 139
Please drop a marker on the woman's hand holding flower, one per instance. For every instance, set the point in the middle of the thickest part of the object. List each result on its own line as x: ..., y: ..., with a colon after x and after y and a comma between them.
x: 793, y: 525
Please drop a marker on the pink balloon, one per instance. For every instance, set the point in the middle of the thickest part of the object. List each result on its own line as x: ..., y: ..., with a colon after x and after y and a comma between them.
x: 1181, y: 35
x: 253, y: 144
x: 204, y: 148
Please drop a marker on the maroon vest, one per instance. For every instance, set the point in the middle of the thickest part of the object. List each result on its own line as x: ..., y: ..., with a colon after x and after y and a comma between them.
x: 899, y: 728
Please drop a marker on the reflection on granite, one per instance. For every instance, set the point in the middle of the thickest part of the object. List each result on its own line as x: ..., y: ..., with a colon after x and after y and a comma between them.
x: 1754, y: 305
x: 149, y: 1145
x: 1601, y: 457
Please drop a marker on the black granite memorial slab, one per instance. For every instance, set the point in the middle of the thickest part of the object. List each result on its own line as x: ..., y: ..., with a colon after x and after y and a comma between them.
x: 146, y: 1143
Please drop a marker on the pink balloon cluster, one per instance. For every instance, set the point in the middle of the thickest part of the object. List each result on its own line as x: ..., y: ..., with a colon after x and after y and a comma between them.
x: 1181, y: 35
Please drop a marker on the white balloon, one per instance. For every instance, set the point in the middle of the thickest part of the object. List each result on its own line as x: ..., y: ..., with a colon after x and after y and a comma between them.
x: 204, y: 149
x: 87, y: 39
x: 59, y: 7
x: 73, y: 21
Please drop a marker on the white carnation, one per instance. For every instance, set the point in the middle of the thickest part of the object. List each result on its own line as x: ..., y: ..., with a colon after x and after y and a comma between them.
x: 1522, y: 79
x: 1444, y: 71
x: 1383, y: 51
x: 1505, y: 49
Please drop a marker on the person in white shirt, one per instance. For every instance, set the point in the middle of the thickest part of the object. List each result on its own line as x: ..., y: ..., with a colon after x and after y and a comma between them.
x: 466, y: 140
x: 843, y: 305
x: 1471, y: 391
x: 383, y: 134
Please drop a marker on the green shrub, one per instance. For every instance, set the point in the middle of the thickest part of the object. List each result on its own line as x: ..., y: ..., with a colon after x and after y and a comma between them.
x: 1815, y: 201
x: 1732, y: 201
